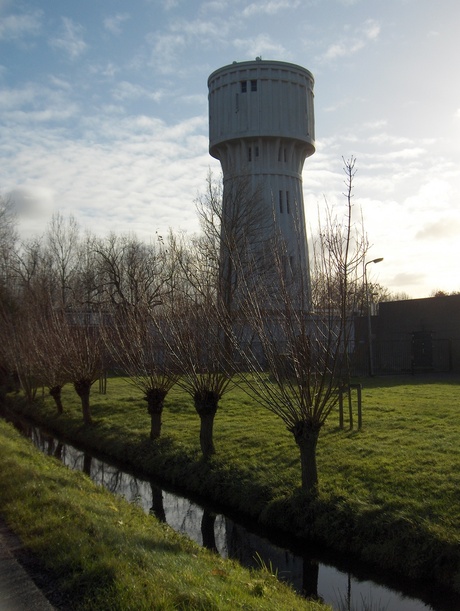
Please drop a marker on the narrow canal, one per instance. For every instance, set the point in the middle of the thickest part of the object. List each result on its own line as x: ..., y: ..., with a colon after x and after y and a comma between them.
x: 345, y: 585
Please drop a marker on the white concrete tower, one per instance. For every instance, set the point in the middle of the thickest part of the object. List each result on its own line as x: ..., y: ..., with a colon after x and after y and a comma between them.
x: 261, y: 126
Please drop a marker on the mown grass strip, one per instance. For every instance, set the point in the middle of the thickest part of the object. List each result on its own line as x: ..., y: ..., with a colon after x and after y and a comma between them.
x: 388, y: 493
x: 105, y: 554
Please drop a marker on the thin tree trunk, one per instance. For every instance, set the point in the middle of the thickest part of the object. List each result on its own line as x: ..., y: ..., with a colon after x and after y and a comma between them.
x: 306, y: 437
x: 206, y: 403
x: 155, y: 400
x: 206, y: 434
x: 83, y: 388
x: 155, y: 426
x: 55, y: 392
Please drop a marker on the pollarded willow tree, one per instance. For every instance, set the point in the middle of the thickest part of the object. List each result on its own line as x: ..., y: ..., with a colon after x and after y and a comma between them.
x: 139, y: 351
x: 198, y: 349
x: 81, y: 338
x: 136, y: 280
x: 307, y: 353
x: 192, y: 331
x: 18, y: 358
x: 49, y: 351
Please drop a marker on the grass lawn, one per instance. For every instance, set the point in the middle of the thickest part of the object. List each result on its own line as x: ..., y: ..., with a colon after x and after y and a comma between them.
x: 390, y: 492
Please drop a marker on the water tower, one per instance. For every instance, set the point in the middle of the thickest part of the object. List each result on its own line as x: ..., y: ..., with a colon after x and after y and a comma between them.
x: 261, y: 129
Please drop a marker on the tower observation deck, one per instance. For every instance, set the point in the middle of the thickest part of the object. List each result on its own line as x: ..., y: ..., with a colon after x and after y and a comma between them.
x: 261, y: 129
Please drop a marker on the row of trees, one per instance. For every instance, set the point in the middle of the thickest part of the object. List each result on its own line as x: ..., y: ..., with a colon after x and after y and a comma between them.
x: 206, y: 312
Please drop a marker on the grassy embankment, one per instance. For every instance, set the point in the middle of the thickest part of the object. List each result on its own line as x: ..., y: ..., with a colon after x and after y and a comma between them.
x: 104, y: 554
x: 389, y: 493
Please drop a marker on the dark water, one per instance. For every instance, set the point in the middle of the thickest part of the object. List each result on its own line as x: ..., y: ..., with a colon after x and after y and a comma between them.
x: 314, y: 572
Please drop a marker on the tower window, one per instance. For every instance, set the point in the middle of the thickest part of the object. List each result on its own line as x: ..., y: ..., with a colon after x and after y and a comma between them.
x: 280, y: 199
x: 253, y: 85
x: 287, y: 203
x: 249, y: 153
x: 257, y: 151
x: 244, y: 86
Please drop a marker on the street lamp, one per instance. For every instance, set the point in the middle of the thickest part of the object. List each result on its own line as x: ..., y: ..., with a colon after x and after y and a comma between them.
x: 369, y: 327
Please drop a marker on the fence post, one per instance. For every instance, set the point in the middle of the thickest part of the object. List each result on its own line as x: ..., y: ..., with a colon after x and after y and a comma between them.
x: 103, y: 383
x: 360, y: 411
x: 341, y: 407
x: 348, y: 388
x: 350, y: 407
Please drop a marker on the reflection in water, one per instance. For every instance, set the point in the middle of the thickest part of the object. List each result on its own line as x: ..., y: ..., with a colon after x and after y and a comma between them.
x: 208, y: 535
x: 215, y: 531
x: 310, y: 577
x: 157, y: 508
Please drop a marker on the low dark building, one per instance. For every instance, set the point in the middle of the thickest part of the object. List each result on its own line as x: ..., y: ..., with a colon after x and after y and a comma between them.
x: 415, y: 335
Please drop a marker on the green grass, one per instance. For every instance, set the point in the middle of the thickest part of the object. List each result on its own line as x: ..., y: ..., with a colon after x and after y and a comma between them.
x: 389, y: 493
x: 104, y: 554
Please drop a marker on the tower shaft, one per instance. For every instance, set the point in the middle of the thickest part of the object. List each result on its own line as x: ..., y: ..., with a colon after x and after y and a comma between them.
x: 261, y: 125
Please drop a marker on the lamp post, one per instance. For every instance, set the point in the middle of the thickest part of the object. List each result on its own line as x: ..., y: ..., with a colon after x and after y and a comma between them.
x: 369, y: 326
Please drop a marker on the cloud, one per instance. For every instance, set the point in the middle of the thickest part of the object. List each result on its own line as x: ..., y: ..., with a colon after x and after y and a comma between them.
x: 168, y: 44
x: 197, y: 28
x: 113, y: 23
x: 169, y: 5
x: 71, y: 39
x: 35, y: 103
x: 269, y: 8
x: 165, y: 51
x: 356, y: 41
x: 371, y: 29
x: 384, y: 138
x: 107, y: 70
x: 408, y: 279
x: 129, y: 91
x: 217, y: 6
x: 409, y: 153
x: 440, y: 229
x: 434, y: 193
x: 14, y: 27
x: 261, y: 45
x: 16, y: 97
x: 127, y: 174
x: 46, y: 115
x: 60, y: 83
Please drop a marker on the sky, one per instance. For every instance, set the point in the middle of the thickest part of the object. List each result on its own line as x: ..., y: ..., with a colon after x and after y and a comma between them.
x: 104, y: 116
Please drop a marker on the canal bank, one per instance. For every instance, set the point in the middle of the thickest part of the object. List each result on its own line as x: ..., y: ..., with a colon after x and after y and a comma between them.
x: 105, y: 554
